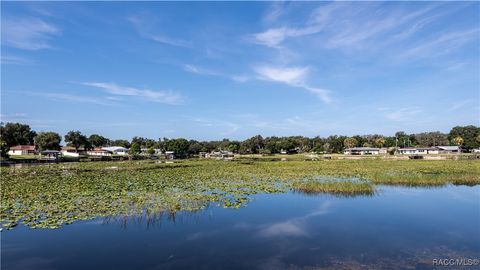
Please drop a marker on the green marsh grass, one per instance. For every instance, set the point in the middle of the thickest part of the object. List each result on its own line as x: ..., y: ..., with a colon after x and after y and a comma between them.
x: 52, y: 195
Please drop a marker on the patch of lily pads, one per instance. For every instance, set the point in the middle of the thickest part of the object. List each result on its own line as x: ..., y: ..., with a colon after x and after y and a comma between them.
x: 55, y: 195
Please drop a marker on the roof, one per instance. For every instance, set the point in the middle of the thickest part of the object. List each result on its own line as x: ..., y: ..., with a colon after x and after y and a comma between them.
x: 115, y: 148
x: 362, y: 149
x: 50, y: 152
x: 23, y: 147
x: 449, y: 148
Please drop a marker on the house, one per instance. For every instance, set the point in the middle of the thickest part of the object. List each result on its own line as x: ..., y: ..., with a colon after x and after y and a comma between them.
x: 476, y: 150
x: 116, y: 150
x: 221, y: 155
x: 383, y: 151
x: 50, y: 154
x: 362, y: 151
x: 407, y: 151
x: 69, y: 151
x: 169, y: 155
x: 99, y: 152
x: 22, y: 150
x: 449, y: 149
x: 434, y: 150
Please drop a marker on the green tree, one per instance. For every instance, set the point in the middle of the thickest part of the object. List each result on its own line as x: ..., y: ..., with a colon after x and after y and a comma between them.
x: 134, y: 149
x: 431, y: 138
x: 458, y: 140
x: 151, y: 151
x: 98, y: 141
x: 179, y: 146
x: 76, y: 139
x: 17, y: 134
x: 469, y: 135
x: 350, y: 142
x: 47, y: 141
x: 380, y: 142
x: 3, y: 148
x: 122, y: 143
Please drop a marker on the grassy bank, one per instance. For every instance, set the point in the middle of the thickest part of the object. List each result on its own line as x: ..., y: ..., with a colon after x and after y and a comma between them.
x: 52, y: 195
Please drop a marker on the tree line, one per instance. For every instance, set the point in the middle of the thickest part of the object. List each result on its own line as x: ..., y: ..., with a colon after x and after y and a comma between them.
x: 468, y: 137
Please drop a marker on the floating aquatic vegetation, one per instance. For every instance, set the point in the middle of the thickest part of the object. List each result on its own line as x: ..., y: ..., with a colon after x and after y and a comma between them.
x: 53, y: 195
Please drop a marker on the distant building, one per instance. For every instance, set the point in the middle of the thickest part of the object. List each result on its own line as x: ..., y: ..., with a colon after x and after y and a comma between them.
x: 220, y: 155
x: 169, y: 155
x: 69, y: 151
x: 99, y: 152
x: 18, y: 150
x: 383, y: 151
x: 476, y: 150
x: 50, y: 154
x: 429, y: 150
x: 116, y: 150
x: 362, y: 151
x: 449, y: 149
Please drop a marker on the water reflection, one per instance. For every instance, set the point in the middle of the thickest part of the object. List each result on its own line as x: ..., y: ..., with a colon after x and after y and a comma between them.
x: 398, y: 228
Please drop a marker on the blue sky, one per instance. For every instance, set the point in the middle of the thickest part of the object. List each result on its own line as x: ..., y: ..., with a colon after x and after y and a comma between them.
x: 212, y: 70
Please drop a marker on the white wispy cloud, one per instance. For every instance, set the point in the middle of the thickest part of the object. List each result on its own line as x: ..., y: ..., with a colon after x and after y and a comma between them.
x: 344, y: 25
x: 292, y: 76
x: 145, y: 28
x: 224, y: 127
x: 167, y: 97
x: 442, y: 44
x: 198, y: 70
x: 27, y: 33
x: 67, y: 97
x: 15, y: 60
x: 458, y: 105
x: 403, y: 114
x: 274, y: 36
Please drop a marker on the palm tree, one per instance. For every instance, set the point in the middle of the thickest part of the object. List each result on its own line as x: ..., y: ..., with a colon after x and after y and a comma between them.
x: 458, y: 140
x: 350, y: 142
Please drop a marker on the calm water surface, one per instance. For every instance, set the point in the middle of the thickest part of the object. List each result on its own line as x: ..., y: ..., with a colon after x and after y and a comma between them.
x: 399, y: 228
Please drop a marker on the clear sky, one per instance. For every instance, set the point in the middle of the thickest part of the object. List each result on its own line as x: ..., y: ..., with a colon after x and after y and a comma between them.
x: 210, y: 70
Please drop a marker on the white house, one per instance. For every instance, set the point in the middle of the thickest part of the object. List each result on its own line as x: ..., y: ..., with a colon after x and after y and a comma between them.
x: 362, y: 151
x: 99, y: 152
x: 449, y: 149
x: 429, y: 150
x: 22, y: 150
x: 117, y: 150
x: 169, y: 155
x: 69, y: 151
x: 221, y: 155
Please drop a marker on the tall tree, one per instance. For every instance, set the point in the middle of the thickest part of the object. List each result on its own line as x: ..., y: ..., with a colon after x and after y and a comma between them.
x: 122, y: 143
x: 47, y: 141
x: 379, y: 142
x: 135, y: 149
x: 350, y: 142
x: 3, y: 148
x: 76, y: 139
x: 469, y: 134
x: 17, y: 134
x: 179, y: 146
x: 98, y: 141
x: 458, y: 140
x: 431, y: 138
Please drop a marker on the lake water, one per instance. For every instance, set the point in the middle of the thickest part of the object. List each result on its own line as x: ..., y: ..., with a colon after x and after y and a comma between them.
x: 398, y: 228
